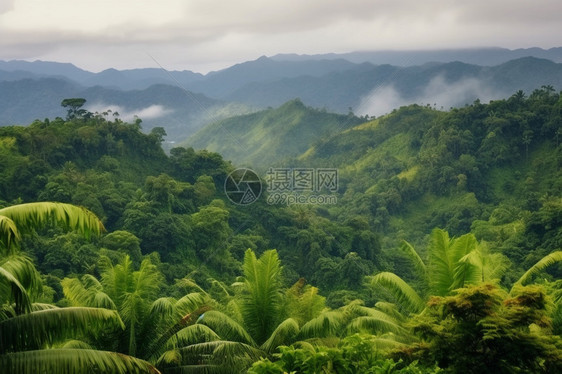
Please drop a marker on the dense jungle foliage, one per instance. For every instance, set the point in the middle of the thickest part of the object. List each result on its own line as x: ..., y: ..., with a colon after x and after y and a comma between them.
x: 441, y: 255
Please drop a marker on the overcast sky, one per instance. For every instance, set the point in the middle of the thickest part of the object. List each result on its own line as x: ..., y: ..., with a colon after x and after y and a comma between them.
x: 204, y: 35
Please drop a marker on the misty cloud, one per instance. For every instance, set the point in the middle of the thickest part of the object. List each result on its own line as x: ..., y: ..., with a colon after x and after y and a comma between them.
x: 381, y: 101
x: 6, y: 5
x: 438, y: 93
x: 214, y: 33
x: 128, y: 115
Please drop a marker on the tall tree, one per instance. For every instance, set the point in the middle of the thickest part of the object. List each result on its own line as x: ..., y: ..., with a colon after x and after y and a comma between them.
x: 28, y: 329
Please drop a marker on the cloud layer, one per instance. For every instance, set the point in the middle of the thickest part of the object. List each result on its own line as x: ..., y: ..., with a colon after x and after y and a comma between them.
x: 207, y: 34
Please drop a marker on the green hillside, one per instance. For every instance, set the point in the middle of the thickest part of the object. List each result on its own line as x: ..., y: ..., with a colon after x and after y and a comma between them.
x: 419, y: 168
x: 264, y: 138
x: 446, y: 229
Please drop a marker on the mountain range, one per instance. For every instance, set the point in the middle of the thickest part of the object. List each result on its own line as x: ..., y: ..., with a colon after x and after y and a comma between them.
x: 366, y: 83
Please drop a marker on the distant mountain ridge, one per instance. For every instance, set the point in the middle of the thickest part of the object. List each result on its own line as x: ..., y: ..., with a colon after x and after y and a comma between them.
x: 180, y: 112
x: 365, y: 86
x: 477, y: 56
x: 334, y: 82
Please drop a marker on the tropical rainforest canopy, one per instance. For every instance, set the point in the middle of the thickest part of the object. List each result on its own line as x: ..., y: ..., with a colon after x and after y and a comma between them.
x: 442, y: 253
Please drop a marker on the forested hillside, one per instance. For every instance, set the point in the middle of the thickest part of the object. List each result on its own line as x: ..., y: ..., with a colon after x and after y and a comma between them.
x: 267, y: 137
x: 440, y: 255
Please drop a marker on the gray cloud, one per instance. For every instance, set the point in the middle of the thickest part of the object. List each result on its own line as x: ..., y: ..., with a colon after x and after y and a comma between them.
x: 6, y: 5
x: 207, y: 34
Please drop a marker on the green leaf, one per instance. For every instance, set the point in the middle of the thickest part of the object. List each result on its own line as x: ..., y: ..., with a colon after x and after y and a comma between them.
x: 9, y: 233
x: 193, y: 334
x: 541, y: 265
x: 329, y: 323
x: 285, y: 334
x: 17, y: 292
x: 375, y: 322
x: 34, y: 330
x: 21, y: 267
x: 72, y: 361
x: 30, y: 216
x: 465, y: 272
x: 409, y: 250
x: 226, y: 327
x: 405, y: 295
x: 440, y: 263
x: 228, y: 353
x: 262, y: 297
x: 86, y: 291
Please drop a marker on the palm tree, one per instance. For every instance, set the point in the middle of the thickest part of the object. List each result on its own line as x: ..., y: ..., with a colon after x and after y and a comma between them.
x: 153, y: 325
x: 452, y: 263
x: 259, y: 325
x: 29, y: 329
x: 258, y: 321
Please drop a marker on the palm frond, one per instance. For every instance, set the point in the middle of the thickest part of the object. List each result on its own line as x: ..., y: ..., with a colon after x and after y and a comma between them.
x: 226, y: 327
x: 285, y: 334
x: 36, y: 307
x: 147, y: 280
x: 329, y: 323
x: 72, y: 361
x: 22, y: 268
x: 9, y: 233
x: 262, y: 299
x: 168, y: 334
x: 469, y: 270
x: 30, y: 216
x: 17, y: 292
x: 404, y: 294
x: 75, y: 344
x: 162, y: 307
x: 189, y: 303
x: 221, y: 351
x: 86, y: 291
x: 189, y: 283
x: 193, y: 334
x: 412, y: 254
x: 391, y: 310
x: 35, y: 329
x: 441, y: 263
x: 495, y: 266
x: 541, y: 265
x: 387, y: 343
x: 377, y: 321
x: 375, y: 324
